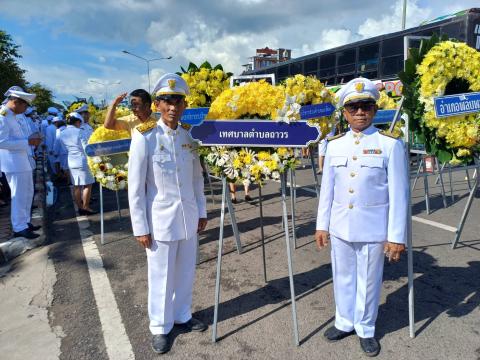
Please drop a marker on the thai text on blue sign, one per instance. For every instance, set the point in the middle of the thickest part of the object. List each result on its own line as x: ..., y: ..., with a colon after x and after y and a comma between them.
x: 457, y: 104
x: 255, y: 133
x: 316, y: 111
x: 194, y: 116
x: 108, y: 147
x: 384, y: 116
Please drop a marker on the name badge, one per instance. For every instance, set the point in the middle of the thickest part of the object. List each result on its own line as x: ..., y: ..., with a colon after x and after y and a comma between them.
x: 161, y: 157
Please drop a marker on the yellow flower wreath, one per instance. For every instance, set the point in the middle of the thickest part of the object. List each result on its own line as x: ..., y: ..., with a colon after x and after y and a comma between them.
x: 445, y: 62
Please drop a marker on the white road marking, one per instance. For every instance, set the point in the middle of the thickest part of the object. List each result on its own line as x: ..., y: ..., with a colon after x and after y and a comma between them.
x: 435, y: 224
x: 306, y: 188
x: 114, y: 334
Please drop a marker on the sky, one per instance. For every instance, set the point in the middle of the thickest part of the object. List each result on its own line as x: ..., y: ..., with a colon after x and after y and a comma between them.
x: 67, y: 45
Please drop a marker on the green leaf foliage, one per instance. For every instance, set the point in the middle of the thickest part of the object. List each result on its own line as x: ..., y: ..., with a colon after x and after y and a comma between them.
x: 206, y: 65
x: 192, y: 67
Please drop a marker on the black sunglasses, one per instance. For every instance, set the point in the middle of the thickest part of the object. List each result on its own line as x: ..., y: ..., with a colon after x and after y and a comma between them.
x: 353, y: 108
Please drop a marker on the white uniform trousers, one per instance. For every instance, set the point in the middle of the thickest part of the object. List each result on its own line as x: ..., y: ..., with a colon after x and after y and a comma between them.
x: 357, y: 280
x: 171, y: 273
x: 21, y: 187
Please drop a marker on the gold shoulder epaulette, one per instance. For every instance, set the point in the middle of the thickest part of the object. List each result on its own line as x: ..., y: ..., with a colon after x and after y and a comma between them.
x: 3, y: 112
x: 146, y: 126
x: 186, y: 126
x: 335, y: 137
x: 389, y: 134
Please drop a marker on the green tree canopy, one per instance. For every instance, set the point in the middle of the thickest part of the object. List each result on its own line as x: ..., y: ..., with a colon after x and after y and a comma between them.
x: 44, y: 97
x: 10, y: 72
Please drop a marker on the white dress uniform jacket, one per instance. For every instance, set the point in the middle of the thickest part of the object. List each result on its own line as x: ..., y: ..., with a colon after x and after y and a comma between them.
x: 27, y: 128
x: 165, y: 184
x: 364, y: 193
x: 14, y: 140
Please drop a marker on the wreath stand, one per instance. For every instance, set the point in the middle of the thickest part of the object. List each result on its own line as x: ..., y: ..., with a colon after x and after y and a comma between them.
x: 225, y: 198
x: 102, y: 228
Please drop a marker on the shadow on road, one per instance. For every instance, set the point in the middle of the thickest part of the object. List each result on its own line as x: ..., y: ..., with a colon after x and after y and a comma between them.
x: 451, y: 290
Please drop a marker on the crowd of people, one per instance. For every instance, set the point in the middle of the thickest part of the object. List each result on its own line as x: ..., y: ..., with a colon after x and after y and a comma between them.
x: 25, y: 136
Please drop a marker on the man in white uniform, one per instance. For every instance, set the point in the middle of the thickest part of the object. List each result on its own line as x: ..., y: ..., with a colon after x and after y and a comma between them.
x: 50, y: 135
x: 61, y: 166
x: 168, y: 209
x: 52, y: 111
x: 363, y: 209
x: 15, y: 146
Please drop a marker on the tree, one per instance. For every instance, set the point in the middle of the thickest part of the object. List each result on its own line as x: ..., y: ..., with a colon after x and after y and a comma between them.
x: 10, y: 72
x: 44, y: 97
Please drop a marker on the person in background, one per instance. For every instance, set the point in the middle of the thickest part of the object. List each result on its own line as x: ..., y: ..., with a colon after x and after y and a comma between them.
x: 61, y: 164
x: 51, y: 112
x: 72, y: 141
x: 15, y: 163
x: 141, y: 105
x: 85, y: 127
x: 233, y: 189
x: 50, y: 135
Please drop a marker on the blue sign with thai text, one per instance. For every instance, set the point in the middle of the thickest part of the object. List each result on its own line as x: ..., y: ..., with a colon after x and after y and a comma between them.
x: 384, y: 116
x: 108, y: 148
x: 194, y: 116
x: 316, y: 111
x: 255, y: 133
x: 452, y: 105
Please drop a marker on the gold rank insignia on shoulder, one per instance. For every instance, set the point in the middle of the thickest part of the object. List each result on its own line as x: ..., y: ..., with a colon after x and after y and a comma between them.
x: 146, y: 126
x: 3, y: 112
x: 186, y: 126
x: 389, y: 134
x: 372, y: 151
x: 335, y: 137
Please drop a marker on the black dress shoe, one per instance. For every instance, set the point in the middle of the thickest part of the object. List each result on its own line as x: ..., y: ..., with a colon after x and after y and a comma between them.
x: 370, y: 346
x: 32, y: 227
x: 193, y: 325
x: 333, y: 334
x: 248, y: 198
x: 161, y: 343
x: 27, y: 234
x: 234, y: 200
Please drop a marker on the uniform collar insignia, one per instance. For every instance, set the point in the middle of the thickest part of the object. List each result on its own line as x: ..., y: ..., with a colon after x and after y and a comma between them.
x: 372, y: 151
x: 358, y: 135
x: 186, y: 126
